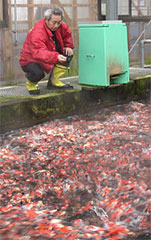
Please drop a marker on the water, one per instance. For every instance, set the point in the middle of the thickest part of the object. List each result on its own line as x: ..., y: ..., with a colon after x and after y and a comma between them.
x: 83, y: 177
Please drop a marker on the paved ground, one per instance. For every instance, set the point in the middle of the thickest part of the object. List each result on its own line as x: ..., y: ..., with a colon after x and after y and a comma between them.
x: 138, y: 72
x: 20, y: 90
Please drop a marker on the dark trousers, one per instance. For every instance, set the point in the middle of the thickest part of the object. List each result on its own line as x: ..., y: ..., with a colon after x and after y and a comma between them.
x: 34, y: 71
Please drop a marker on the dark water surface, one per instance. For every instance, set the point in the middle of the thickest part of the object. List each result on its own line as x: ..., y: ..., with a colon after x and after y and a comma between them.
x: 83, y: 177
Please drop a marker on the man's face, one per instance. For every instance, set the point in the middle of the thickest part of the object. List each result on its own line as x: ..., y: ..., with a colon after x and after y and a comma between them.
x: 54, y: 22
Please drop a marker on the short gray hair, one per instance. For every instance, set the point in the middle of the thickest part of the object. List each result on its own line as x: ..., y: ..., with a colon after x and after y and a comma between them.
x: 53, y: 11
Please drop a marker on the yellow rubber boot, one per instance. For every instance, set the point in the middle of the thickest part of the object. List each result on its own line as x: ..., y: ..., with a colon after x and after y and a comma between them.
x: 54, y: 82
x: 58, y: 71
x: 32, y: 87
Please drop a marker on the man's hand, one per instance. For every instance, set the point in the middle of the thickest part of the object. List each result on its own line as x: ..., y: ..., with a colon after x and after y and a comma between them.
x: 68, y: 51
x: 62, y: 58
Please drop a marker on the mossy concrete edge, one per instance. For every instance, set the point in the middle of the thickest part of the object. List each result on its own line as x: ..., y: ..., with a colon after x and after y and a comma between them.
x: 26, y: 112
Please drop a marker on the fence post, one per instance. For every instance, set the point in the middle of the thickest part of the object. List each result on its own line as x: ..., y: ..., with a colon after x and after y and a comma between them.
x: 112, y: 10
x: 30, y: 15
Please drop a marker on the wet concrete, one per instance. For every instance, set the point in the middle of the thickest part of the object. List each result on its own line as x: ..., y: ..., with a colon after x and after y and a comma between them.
x: 20, y: 90
x: 19, y: 109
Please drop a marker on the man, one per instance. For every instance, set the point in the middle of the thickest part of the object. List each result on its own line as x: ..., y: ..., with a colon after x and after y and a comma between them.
x: 48, y: 48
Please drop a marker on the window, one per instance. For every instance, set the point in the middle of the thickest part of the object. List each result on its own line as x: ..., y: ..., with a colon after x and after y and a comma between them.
x: 3, y: 13
x: 123, y: 7
x: 141, y: 8
x: 128, y: 10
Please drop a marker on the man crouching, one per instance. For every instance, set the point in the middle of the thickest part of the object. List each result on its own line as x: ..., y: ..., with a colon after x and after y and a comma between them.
x: 48, y: 48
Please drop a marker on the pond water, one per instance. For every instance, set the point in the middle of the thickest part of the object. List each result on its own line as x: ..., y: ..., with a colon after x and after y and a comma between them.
x: 83, y: 177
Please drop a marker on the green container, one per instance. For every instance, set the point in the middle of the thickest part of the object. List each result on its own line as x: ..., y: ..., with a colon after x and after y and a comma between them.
x: 103, y: 53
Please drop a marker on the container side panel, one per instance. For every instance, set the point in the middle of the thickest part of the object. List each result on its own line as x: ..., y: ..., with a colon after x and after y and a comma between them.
x: 117, y: 51
x: 92, y: 65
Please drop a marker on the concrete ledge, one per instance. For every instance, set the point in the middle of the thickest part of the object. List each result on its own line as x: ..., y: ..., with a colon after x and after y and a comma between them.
x: 21, y: 112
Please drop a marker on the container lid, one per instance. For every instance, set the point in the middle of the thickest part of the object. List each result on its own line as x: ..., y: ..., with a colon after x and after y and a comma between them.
x: 99, y: 23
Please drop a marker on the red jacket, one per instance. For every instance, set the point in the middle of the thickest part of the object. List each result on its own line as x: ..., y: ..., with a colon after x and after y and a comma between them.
x: 39, y: 46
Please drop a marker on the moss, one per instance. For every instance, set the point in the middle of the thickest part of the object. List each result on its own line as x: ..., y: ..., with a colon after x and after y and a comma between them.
x: 142, y: 85
x: 17, y: 112
x: 6, y: 116
x: 77, y: 96
x: 40, y: 112
x: 143, y: 78
x: 18, y: 109
x: 10, y: 99
x: 57, y: 104
x: 130, y: 89
x: 147, y: 60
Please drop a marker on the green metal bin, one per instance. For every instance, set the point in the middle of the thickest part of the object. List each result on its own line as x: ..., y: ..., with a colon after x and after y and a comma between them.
x: 103, y: 53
